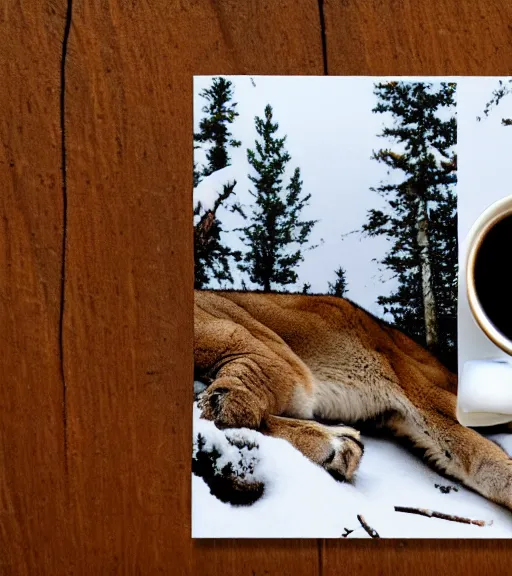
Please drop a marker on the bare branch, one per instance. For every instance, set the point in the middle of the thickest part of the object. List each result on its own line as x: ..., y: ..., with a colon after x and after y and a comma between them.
x: 207, y: 220
x: 441, y: 515
x: 371, y: 531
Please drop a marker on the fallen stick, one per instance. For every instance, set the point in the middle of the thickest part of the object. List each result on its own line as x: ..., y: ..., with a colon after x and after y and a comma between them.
x: 441, y: 515
x: 373, y: 533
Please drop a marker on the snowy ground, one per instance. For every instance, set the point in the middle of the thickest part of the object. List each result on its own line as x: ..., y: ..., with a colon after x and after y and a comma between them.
x: 302, y: 500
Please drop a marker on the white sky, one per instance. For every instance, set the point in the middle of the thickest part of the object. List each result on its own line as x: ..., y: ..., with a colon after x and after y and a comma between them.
x: 331, y: 134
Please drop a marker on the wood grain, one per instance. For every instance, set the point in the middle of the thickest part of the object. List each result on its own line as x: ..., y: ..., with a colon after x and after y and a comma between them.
x: 128, y: 311
x: 418, y: 557
x: 417, y: 37
x: 95, y: 442
x: 32, y: 474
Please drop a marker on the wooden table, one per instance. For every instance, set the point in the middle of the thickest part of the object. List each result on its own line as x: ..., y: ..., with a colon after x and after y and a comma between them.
x: 96, y: 265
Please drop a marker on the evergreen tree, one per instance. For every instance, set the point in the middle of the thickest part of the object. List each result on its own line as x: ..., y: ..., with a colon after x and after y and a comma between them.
x: 275, y: 234
x: 211, y: 257
x: 306, y: 288
x: 339, y: 286
x: 220, y: 112
x: 421, y: 219
x: 197, y: 175
x: 197, y: 171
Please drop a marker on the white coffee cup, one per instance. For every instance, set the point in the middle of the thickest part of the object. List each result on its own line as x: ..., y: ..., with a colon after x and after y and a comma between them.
x: 484, y: 395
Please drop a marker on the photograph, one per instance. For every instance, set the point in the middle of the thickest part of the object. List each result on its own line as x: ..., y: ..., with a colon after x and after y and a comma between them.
x: 328, y: 219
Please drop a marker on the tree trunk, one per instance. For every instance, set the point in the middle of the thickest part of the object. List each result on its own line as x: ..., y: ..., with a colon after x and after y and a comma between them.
x: 427, y: 287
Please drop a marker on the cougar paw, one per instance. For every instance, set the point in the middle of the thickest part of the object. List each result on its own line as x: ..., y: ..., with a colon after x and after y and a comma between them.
x: 345, y: 455
x: 230, y: 405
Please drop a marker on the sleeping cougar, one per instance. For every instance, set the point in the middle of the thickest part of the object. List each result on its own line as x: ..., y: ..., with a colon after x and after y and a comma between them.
x: 278, y: 363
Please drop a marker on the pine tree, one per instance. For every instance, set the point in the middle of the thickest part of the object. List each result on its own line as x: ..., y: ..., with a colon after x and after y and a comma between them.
x: 339, y: 286
x: 220, y: 112
x: 197, y: 171
x: 211, y: 257
x: 421, y: 218
x: 306, y: 288
x: 275, y: 234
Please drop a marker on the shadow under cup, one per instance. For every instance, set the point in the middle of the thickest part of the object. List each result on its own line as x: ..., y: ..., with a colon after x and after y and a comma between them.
x: 490, y: 280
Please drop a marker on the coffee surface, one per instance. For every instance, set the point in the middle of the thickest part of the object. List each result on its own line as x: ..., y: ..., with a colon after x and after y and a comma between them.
x: 493, y: 277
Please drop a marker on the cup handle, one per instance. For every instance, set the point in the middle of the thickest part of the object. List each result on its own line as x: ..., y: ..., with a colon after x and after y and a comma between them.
x: 484, y: 396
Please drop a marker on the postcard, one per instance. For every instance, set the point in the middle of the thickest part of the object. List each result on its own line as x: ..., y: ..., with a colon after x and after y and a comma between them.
x: 352, y: 332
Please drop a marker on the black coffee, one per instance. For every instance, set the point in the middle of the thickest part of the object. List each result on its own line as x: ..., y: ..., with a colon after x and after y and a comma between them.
x: 493, y: 277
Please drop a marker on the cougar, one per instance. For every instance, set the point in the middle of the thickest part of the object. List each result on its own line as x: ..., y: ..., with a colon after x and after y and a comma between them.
x: 289, y: 364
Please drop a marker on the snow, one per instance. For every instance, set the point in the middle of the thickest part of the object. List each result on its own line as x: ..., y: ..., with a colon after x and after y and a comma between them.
x: 302, y: 501
x: 230, y: 452
x: 210, y: 186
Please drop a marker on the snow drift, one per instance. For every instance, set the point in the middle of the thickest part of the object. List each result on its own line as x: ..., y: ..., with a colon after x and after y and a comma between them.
x: 299, y: 499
